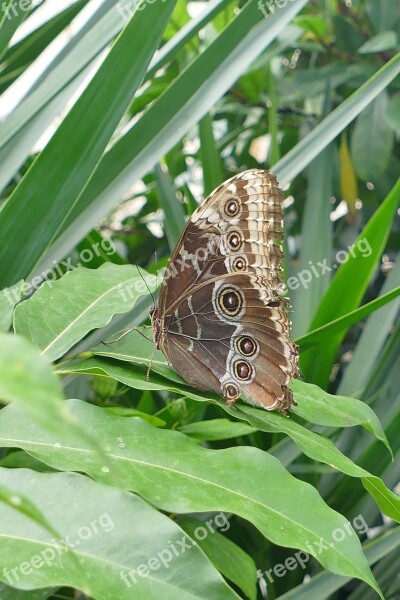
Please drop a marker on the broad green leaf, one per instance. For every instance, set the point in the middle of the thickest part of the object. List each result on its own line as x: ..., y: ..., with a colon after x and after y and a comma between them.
x: 183, y: 104
x: 62, y: 312
x: 372, y: 141
x: 36, y: 214
x: 385, y: 40
x: 216, y: 429
x: 234, y: 564
x: 112, y: 533
x: 313, y: 445
x: 323, y: 450
x: 349, y: 284
x: 9, y: 298
x: 315, y: 405
x: 321, y: 408
x: 156, y: 463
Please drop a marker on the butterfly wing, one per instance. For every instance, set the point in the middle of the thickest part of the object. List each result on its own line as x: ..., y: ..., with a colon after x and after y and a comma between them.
x: 223, y: 320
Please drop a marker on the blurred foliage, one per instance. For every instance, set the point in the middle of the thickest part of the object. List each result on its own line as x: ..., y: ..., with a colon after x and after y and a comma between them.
x: 115, y: 123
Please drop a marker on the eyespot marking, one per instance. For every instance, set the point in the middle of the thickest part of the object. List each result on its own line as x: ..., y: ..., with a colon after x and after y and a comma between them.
x: 232, y: 207
x: 246, y: 346
x: 231, y: 392
x: 230, y: 301
x: 234, y: 241
x: 243, y: 370
x: 239, y: 264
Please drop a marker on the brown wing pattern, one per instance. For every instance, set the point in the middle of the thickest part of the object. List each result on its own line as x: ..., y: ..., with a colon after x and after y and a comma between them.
x: 222, y: 319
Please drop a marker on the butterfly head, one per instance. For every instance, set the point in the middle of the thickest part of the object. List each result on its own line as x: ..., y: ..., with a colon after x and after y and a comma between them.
x: 156, y: 324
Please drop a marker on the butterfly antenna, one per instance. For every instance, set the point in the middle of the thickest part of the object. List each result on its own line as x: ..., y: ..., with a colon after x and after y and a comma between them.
x: 145, y: 283
x: 126, y: 333
x: 158, y: 281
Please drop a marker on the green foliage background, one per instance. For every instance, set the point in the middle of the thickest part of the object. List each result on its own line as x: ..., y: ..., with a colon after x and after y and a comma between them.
x: 112, y: 130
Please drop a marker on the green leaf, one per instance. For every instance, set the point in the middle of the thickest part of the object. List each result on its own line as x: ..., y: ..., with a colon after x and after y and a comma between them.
x: 156, y: 463
x: 321, y: 408
x: 112, y: 534
x: 313, y: 445
x: 62, y: 312
x: 234, y: 564
x: 372, y: 141
x: 216, y: 429
x: 385, y: 40
x: 42, y: 201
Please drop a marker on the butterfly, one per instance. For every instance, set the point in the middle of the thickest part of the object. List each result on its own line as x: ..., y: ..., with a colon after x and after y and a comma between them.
x: 222, y: 318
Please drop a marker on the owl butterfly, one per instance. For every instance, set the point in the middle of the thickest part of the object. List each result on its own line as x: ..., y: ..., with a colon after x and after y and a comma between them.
x: 221, y: 319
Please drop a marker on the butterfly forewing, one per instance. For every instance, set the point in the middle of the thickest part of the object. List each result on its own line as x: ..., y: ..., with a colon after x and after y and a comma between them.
x: 222, y: 320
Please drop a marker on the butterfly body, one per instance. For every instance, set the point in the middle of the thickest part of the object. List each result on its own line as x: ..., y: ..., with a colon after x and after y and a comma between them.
x: 222, y: 318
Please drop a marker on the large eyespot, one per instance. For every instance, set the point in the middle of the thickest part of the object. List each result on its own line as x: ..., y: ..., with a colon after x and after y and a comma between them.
x: 239, y: 264
x: 234, y: 241
x: 231, y: 392
x: 246, y: 346
x: 243, y: 370
x: 230, y: 301
x: 232, y: 207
